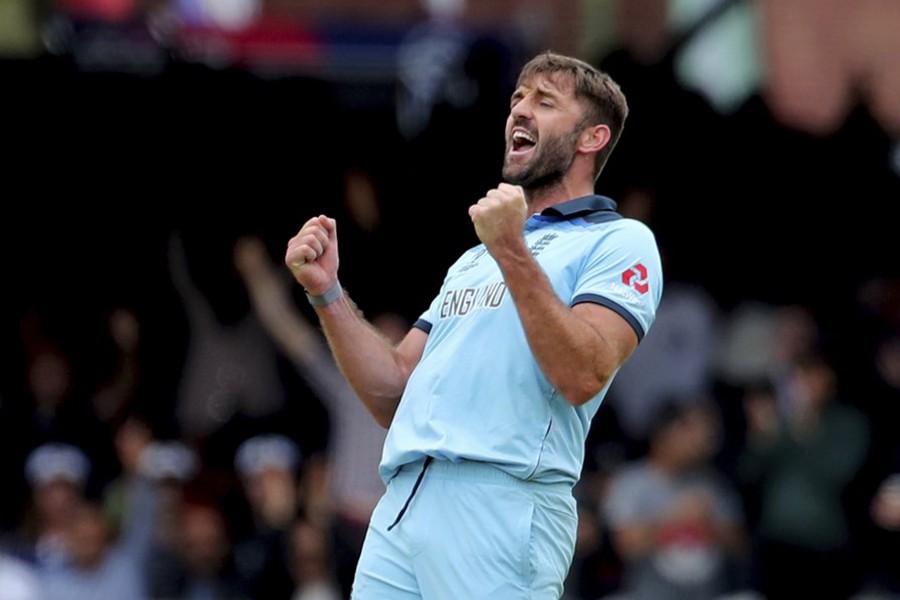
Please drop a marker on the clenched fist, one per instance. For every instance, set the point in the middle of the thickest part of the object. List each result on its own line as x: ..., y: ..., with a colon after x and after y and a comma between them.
x: 312, y: 255
x: 500, y: 216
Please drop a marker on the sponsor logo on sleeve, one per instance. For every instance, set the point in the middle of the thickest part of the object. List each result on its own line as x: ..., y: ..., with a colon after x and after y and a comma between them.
x: 636, y: 278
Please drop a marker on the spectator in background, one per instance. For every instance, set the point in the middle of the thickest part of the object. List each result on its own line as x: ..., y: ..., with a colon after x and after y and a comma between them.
x: 761, y: 345
x: 268, y: 466
x: 115, y: 396
x: 882, y: 534
x: 107, y: 553
x: 132, y: 439
x: 764, y: 342
x: 235, y: 382
x: 57, y: 474
x: 357, y: 439
x: 181, y: 564
x: 231, y: 367
x: 678, y: 362
x: 96, y: 568
x: 676, y: 525
x: 198, y: 565
x: 313, y: 563
x: 55, y: 408
x: 18, y: 580
x: 883, y: 569
x: 354, y: 485
x: 802, y: 461
x: 146, y: 497
x: 795, y: 336
x: 59, y: 413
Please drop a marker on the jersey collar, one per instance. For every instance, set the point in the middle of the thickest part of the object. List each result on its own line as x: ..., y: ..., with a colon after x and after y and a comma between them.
x: 580, y: 207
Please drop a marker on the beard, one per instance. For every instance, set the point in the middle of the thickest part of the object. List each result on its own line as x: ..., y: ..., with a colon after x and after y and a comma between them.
x: 549, y: 162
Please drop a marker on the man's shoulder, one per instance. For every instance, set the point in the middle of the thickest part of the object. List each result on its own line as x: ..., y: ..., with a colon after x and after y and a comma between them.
x: 627, y: 225
x: 624, y: 233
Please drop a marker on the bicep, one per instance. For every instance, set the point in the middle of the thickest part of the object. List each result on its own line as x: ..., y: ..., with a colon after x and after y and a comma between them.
x: 410, y: 350
x: 619, y: 336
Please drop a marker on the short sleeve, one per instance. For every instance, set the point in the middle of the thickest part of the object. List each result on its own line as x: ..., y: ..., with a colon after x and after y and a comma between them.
x: 623, y: 273
x: 428, y: 318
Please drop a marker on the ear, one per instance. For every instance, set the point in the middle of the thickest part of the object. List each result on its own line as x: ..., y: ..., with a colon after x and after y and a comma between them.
x: 594, y: 138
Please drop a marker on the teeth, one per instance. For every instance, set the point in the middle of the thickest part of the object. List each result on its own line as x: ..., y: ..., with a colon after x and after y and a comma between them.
x: 521, y: 135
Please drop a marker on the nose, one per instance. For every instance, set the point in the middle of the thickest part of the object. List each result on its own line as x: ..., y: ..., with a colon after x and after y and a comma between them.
x: 521, y: 110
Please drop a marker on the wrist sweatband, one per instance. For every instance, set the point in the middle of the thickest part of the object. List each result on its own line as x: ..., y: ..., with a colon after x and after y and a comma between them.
x: 327, y: 298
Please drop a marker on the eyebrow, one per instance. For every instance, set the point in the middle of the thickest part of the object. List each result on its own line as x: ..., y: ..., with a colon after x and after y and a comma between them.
x: 541, y: 90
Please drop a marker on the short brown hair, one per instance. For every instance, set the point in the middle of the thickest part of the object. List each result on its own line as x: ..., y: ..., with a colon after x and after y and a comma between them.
x: 603, y: 97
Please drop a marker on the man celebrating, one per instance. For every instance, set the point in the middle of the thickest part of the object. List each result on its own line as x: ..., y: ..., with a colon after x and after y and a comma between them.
x: 489, y: 397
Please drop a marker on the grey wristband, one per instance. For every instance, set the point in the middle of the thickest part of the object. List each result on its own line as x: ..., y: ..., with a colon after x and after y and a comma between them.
x: 327, y: 298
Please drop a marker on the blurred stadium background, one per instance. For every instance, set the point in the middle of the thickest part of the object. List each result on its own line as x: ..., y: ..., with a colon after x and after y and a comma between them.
x: 144, y: 138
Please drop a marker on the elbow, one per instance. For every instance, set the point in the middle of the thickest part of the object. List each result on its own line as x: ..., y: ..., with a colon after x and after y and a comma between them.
x: 583, y: 389
x: 582, y: 392
x: 577, y: 398
x: 383, y: 411
x: 384, y: 419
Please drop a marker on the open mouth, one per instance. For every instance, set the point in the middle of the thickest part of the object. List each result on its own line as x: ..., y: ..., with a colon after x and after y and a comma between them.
x: 522, y: 141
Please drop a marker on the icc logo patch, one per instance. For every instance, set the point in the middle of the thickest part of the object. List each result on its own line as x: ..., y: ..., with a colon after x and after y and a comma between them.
x: 636, y: 277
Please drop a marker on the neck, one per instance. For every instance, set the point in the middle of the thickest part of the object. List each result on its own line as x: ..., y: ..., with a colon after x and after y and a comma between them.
x: 562, y: 190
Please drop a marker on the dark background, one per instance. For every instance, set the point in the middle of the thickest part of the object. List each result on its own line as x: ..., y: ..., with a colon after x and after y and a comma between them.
x: 103, y: 167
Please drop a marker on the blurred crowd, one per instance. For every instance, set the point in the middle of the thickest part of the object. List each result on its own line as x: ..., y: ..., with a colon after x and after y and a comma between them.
x: 747, y: 450
x: 755, y: 456
x: 748, y: 453
x: 105, y: 500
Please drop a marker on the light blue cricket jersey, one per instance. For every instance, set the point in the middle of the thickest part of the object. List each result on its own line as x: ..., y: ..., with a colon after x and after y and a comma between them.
x: 478, y: 392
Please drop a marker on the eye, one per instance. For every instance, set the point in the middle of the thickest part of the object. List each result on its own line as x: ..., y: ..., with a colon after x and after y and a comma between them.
x: 546, y: 104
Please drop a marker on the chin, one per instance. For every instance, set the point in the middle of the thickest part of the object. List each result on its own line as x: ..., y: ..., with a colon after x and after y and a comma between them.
x: 514, y: 175
x: 526, y: 180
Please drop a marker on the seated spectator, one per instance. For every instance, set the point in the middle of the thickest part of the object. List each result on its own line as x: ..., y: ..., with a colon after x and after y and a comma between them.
x: 198, y: 564
x: 881, y: 535
x: 18, y: 581
x: 96, y: 569
x: 267, y: 466
x: 801, y: 460
x: 56, y: 474
x: 312, y: 563
x: 675, y: 524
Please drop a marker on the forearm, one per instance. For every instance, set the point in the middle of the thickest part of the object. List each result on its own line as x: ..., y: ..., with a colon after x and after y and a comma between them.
x: 577, y: 359
x: 375, y: 369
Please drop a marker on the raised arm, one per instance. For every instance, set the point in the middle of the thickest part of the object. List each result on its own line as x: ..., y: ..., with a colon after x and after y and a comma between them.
x: 377, y: 370
x: 577, y: 348
x: 200, y: 313
x: 270, y: 296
